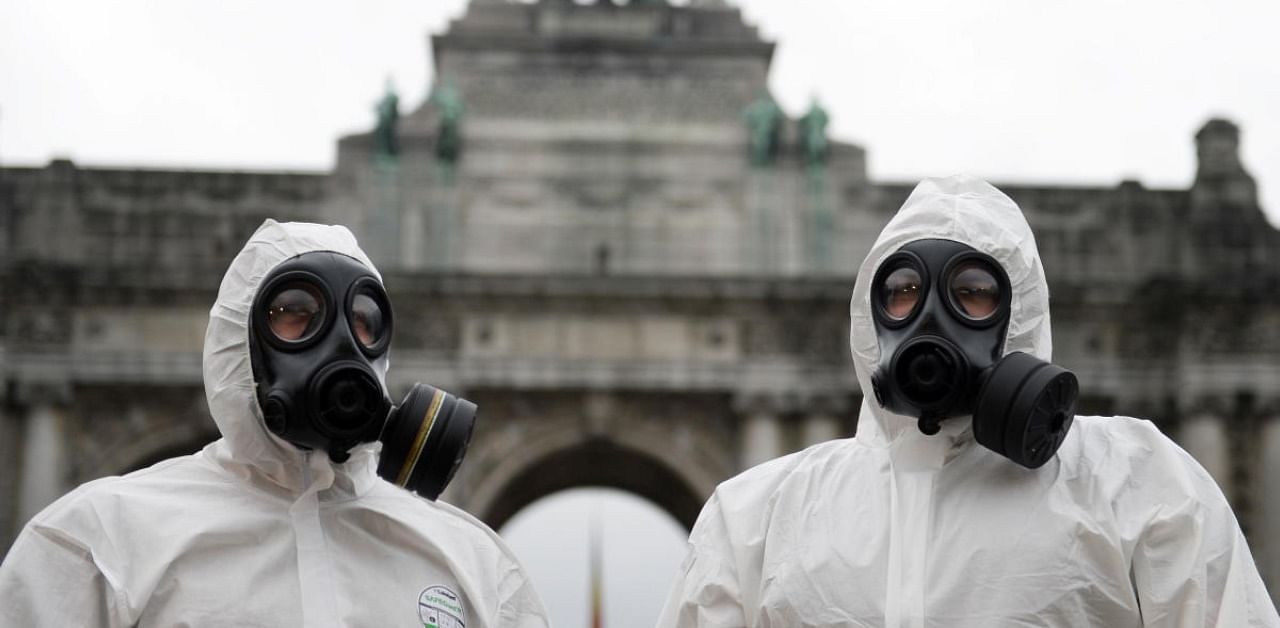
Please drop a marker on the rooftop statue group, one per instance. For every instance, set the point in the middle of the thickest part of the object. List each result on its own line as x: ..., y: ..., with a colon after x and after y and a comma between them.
x: 764, y: 119
x: 448, y: 137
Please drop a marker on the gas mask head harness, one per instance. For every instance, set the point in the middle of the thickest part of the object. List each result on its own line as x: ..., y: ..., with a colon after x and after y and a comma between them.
x: 319, y: 333
x: 941, y: 311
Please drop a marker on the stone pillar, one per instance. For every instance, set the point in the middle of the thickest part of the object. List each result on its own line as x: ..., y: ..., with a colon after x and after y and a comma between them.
x: 412, y: 238
x: 1204, y: 436
x: 1267, y: 531
x: 820, y: 427
x: 43, y: 472
x: 10, y: 451
x: 761, y: 434
x: 823, y: 422
x: 384, y: 221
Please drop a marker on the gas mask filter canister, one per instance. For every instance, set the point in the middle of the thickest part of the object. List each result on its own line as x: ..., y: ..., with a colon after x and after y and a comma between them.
x: 319, y: 334
x: 941, y: 311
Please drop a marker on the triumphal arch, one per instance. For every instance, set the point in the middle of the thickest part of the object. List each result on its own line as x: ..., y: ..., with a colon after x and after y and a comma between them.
x: 601, y: 228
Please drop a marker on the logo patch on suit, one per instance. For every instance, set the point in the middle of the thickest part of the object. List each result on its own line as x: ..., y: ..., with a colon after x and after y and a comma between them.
x: 440, y: 607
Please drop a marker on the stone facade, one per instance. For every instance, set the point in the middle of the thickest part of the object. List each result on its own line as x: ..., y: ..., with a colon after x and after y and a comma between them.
x: 596, y: 253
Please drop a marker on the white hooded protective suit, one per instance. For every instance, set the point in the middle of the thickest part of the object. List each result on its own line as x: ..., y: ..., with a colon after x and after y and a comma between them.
x: 252, y: 531
x: 894, y: 528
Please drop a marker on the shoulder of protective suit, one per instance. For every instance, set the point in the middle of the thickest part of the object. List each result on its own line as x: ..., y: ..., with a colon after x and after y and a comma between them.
x: 1132, y: 454
x: 437, y: 514
x: 97, y: 508
x: 65, y: 511
x: 767, y: 477
x: 1116, y: 437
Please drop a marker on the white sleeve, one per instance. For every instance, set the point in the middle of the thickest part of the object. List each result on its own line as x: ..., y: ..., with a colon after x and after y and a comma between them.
x: 1191, y: 565
x: 49, y: 579
x: 706, y: 591
x: 521, y: 606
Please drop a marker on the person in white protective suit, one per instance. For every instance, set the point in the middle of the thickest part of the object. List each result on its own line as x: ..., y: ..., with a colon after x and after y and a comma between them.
x: 899, y: 528
x: 273, y: 525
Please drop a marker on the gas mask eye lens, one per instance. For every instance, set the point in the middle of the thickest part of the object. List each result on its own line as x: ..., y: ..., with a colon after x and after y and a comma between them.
x: 900, y: 293
x: 975, y: 291
x: 367, y: 320
x: 295, y: 312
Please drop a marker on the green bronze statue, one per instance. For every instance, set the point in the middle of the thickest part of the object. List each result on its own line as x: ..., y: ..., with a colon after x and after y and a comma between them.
x: 386, y: 144
x: 764, y: 129
x: 813, y: 135
x: 449, y: 132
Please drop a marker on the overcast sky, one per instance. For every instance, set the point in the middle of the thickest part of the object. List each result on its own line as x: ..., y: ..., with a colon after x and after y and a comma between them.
x: 1089, y: 91
x: 1081, y: 92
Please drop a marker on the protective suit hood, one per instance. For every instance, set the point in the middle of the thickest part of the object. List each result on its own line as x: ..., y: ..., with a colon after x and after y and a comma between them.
x: 970, y: 211
x: 248, y: 446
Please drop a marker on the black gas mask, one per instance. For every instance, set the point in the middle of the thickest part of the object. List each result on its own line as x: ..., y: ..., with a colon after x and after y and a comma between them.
x: 320, y: 324
x: 941, y: 311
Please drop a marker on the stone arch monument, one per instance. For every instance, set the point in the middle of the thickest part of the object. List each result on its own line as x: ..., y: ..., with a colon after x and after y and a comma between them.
x: 712, y: 336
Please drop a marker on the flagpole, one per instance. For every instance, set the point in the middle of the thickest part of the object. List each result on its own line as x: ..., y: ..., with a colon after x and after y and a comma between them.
x: 597, y: 571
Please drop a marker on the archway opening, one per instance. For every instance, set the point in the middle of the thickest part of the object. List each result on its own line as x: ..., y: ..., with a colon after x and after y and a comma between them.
x: 598, y: 497
x: 603, y: 463
x: 603, y: 550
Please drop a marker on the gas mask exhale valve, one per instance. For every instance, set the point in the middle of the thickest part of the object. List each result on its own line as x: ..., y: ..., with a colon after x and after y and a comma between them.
x: 319, y: 334
x: 941, y: 311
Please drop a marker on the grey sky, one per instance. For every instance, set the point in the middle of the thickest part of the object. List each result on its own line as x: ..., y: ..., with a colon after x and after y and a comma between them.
x: 1091, y: 91
x: 1082, y: 92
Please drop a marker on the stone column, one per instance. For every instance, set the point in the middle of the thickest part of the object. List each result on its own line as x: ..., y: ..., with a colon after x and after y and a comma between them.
x: 1267, y: 533
x: 1204, y: 436
x: 761, y: 433
x: 385, y: 228
x: 412, y: 238
x: 43, y: 472
x: 823, y: 423
x: 11, y: 451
